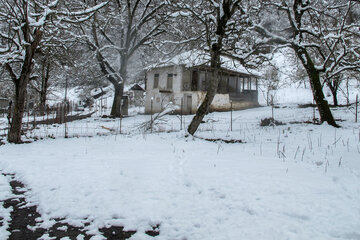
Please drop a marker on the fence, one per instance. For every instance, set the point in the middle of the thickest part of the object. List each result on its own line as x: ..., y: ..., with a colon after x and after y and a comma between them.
x: 50, y: 115
x: 50, y: 125
x: 57, y: 114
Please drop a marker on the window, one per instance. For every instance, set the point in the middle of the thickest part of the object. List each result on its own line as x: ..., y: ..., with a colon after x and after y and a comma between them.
x: 169, y: 82
x: 194, y: 80
x: 239, y: 84
x: 232, y: 84
x: 247, y: 84
x: 223, y: 83
x: 202, y: 82
x: 156, y: 80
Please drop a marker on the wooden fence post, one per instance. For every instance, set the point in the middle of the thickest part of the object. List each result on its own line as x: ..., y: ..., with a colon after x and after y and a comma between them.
x: 181, y: 113
x: 356, y: 108
x: 231, y: 114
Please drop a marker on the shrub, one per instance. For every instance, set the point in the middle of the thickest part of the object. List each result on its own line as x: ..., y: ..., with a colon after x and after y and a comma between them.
x: 270, y: 122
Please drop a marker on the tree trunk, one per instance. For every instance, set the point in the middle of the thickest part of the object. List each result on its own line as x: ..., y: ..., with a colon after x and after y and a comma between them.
x: 215, y: 51
x: 21, y: 82
x: 334, y: 95
x: 322, y: 104
x: 14, y: 135
x: 117, y: 81
x: 316, y: 87
x: 308, y: 63
x: 119, y: 88
x: 44, y: 87
x: 42, y: 103
x: 116, y: 106
x: 205, y: 105
x: 333, y: 85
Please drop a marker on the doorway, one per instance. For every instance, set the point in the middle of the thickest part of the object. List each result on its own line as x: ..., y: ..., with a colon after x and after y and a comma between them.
x: 188, y: 104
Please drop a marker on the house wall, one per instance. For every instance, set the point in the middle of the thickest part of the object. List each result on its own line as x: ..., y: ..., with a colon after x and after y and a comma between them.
x: 186, y: 78
x: 222, y: 102
x: 162, y: 96
x: 178, y: 95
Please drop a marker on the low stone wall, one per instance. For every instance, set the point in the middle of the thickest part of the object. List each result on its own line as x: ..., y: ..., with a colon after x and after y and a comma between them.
x: 235, y: 106
x: 221, y: 102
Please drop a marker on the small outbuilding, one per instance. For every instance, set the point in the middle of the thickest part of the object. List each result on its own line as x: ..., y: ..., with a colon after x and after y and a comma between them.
x: 136, y: 95
x: 183, y: 81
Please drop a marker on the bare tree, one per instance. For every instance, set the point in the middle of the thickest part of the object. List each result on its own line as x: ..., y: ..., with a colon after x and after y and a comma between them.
x: 216, y: 20
x: 271, y: 84
x: 24, y: 25
x: 322, y: 37
x: 223, y: 28
x: 334, y: 85
x: 116, y: 33
x: 41, y: 80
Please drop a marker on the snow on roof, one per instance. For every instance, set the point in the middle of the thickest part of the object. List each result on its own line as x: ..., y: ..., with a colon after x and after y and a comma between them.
x: 96, y: 91
x: 137, y: 87
x: 195, y: 58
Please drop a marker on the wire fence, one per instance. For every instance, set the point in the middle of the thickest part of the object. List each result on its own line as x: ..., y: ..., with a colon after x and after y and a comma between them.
x: 65, y: 120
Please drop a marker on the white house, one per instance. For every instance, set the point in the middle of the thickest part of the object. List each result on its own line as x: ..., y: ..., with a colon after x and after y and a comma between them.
x: 183, y: 80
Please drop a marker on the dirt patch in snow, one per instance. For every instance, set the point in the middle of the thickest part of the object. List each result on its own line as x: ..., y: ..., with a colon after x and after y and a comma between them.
x: 25, y: 221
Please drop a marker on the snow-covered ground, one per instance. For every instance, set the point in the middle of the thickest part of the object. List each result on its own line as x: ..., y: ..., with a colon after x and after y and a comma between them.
x: 5, y: 193
x: 296, y: 181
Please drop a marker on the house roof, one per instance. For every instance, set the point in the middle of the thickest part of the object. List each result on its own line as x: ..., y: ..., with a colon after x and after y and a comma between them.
x: 196, y: 58
x: 137, y: 87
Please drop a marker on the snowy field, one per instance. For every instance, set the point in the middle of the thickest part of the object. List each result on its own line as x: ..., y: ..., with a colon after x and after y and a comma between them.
x: 295, y: 181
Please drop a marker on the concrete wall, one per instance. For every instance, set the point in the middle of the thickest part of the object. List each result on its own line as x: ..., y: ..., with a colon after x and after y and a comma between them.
x: 163, y: 73
x: 222, y: 102
x: 161, y: 96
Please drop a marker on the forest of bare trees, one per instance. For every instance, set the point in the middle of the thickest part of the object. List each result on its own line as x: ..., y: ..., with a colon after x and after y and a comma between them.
x: 44, y: 42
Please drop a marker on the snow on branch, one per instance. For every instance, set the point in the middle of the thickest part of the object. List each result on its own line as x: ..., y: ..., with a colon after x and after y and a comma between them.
x: 83, y: 12
x: 272, y: 38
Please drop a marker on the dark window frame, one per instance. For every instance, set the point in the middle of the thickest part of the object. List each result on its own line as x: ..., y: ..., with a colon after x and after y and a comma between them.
x: 156, y: 80
x: 170, y: 81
